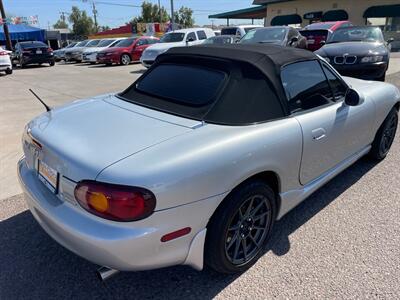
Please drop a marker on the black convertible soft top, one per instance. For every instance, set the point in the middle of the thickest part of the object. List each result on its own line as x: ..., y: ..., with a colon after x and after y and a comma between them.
x: 246, y: 98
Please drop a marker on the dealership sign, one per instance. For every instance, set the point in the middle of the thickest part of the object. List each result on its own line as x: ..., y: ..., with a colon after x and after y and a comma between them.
x: 31, y: 20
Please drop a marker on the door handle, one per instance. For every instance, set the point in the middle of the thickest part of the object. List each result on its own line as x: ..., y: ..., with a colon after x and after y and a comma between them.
x: 318, y: 134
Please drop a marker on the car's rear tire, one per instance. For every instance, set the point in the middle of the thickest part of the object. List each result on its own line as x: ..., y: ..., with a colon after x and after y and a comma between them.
x: 108, y: 64
x: 385, y: 136
x: 244, y: 220
x: 52, y: 63
x: 125, y: 59
x: 9, y: 71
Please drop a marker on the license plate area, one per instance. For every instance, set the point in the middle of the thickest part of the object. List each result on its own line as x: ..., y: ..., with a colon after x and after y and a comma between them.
x: 39, y: 52
x: 48, y: 176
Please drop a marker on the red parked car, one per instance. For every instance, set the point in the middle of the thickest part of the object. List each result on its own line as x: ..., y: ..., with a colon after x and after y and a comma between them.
x: 318, y: 33
x: 125, y: 51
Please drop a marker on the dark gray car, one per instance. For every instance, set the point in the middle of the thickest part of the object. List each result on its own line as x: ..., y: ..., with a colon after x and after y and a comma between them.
x: 358, y: 51
x: 280, y: 35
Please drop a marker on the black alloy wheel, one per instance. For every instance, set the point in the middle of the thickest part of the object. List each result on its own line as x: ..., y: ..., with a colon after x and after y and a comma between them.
x: 239, y: 229
x: 385, y: 136
x: 248, y: 229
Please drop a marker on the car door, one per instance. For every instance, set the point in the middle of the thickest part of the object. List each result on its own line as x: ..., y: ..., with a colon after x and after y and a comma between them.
x: 138, y: 49
x: 332, y: 131
x: 201, y: 35
x: 191, y: 39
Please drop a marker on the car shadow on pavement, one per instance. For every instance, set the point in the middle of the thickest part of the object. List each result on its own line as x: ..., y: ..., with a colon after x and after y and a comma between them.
x: 34, y: 266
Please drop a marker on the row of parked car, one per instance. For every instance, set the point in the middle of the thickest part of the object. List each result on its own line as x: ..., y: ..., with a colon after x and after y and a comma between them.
x: 357, y: 51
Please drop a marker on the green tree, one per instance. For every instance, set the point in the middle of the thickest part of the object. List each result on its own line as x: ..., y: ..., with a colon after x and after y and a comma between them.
x: 60, y: 24
x: 184, y: 17
x: 151, y: 14
x: 104, y: 28
x: 82, y: 24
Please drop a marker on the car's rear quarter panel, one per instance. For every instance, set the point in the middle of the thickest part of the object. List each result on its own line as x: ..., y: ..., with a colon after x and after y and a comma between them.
x: 212, y: 160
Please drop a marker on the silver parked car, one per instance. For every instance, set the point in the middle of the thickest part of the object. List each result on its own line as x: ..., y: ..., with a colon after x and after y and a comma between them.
x: 200, y: 156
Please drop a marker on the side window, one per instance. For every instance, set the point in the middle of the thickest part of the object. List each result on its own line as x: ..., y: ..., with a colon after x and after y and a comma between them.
x: 305, y: 86
x: 201, y: 34
x: 292, y: 33
x: 152, y: 41
x: 141, y: 42
x: 191, y: 36
x: 339, y: 89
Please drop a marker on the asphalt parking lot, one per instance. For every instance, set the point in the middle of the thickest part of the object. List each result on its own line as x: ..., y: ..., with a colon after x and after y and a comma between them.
x: 342, y: 242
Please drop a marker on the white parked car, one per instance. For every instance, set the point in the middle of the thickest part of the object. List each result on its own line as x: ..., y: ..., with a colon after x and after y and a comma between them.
x: 89, y: 55
x: 177, y: 38
x: 5, y: 61
x: 239, y: 31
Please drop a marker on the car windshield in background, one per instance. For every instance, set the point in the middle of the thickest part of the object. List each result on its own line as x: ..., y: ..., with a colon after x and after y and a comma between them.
x: 93, y: 43
x: 219, y: 40
x: 33, y: 45
x: 125, y: 43
x: 247, y: 29
x: 82, y: 44
x: 264, y: 35
x: 357, y: 34
x: 172, y: 37
x: 71, y: 45
x: 105, y: 43
x: 228, y: 31
x: 185, y: 84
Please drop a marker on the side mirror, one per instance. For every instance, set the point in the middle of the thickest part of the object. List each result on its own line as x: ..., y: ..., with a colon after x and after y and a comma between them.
x: 189, y: 39
x: 322, y: 43
x: 294, y: 39
x: 352, y: 98
x: 391, y: 40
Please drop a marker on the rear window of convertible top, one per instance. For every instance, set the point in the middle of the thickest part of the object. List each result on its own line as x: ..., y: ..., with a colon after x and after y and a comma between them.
x: 230, y: 93
x: 189, y: 85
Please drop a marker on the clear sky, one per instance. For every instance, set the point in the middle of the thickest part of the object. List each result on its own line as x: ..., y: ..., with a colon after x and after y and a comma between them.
x: 117, y: 12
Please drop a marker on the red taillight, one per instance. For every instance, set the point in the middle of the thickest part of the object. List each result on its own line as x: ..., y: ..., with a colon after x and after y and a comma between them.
x: 49, y: 50
x: 115, y: 202
x: 3, y: 53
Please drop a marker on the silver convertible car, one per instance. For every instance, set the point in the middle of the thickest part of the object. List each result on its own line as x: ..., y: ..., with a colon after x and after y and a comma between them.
x: 195, y: 161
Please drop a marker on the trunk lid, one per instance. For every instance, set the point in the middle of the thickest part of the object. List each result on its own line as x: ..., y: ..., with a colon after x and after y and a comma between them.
x: 81, y: 139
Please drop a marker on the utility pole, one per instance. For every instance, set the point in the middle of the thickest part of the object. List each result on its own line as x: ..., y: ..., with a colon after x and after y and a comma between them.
x: 172, y: 16
x: 95, y: 15
x: 159, y: 10
x: 5, y: 26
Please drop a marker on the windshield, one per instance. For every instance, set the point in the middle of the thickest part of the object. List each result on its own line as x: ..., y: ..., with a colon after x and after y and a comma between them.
x: 82, y: 44
x: 33, y: 45
x: 229, y: 31
x: 105, y: 43
x: 71, y: 45
x: 125, y: 43
x: 357, y: 34
x: 264, y: 35
x: 172, y: 37
x: 93, y: 43
x: 218, y: 40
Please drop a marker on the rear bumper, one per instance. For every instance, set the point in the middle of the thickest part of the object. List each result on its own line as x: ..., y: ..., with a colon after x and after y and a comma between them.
x: 363, y: 71
x: 38, y: 59
x: 4, y: 67
x: 128, y: 246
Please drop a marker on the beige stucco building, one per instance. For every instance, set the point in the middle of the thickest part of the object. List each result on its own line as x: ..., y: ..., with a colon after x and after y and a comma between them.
x: 356, y: 10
